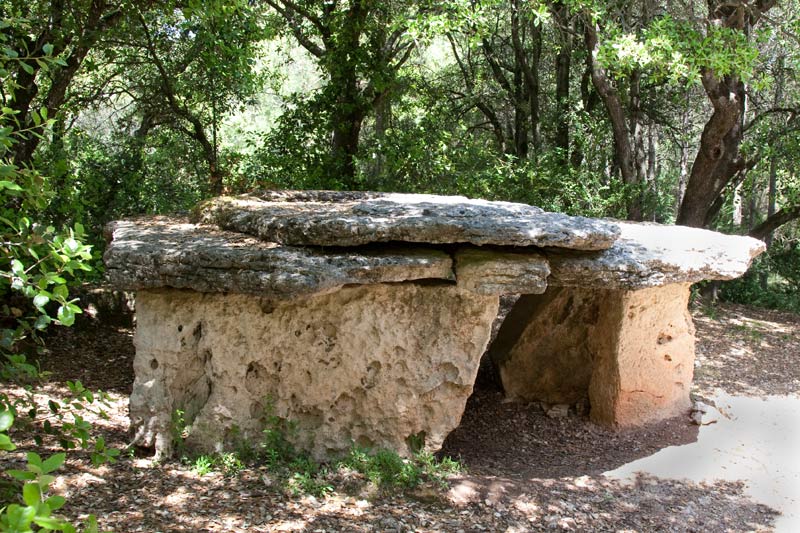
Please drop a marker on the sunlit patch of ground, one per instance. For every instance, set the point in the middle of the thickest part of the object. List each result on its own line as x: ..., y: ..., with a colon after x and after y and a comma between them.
x: 753, y: 440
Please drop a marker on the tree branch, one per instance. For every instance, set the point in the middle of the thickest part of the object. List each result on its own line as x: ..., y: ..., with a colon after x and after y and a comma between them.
x: 777, y: 220
x: 294, y: 26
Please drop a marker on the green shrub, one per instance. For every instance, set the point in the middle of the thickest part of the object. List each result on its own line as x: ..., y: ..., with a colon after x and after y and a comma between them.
x: 773, y: 280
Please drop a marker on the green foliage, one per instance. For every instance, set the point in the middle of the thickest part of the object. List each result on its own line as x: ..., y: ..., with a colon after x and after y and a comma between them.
x: 229, y: 464
x: 104, y: 179
x: 294, y: 154
x: 772, y: 282
x: 36, y: 260
x: 203, y: 465
x: 36, y: 512
x: 37, y: 263
x: 669, y: 49
x: 297, y: 473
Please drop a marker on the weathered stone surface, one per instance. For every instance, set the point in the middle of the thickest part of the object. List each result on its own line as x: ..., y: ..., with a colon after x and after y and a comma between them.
x: 164, y: 252
x: 501, y: 272
x: 542, y: 351
x: 338, y: 220
x: 631, y: 352
x: 649, y: 255
x: 644, y: 356
x: 379, y: 365
x: 379, y: 345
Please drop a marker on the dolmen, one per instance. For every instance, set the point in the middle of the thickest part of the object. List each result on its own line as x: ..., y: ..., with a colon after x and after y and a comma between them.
x: 360, y: 319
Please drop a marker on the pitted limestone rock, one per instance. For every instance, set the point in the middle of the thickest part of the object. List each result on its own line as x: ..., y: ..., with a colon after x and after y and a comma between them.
x: 384, y: 365
x: 631, y: 352
x: 350, y: 220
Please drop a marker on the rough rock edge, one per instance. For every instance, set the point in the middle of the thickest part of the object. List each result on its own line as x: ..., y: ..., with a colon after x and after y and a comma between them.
x: 651, y: 255
x: 319, y: 219
x: 169, y: 252
x: 501, y: 271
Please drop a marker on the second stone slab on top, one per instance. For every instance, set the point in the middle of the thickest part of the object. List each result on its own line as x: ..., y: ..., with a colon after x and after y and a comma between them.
x: 326, y: 218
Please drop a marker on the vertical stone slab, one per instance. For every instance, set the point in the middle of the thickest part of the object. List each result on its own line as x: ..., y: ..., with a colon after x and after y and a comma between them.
x: 644, y: 356
x: 542, y: 350
x: 381, y: 366
x: 630, y: 351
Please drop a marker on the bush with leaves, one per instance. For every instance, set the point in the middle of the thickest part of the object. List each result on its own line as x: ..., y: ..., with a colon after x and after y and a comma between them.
x: 773, y: 280
x: 36, y: 512
x: 37, y: 263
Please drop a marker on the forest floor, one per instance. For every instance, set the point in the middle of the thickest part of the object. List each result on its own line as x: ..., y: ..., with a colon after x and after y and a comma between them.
x: 524, y: 471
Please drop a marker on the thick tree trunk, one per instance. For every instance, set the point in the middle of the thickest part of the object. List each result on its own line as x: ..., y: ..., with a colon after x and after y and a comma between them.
x: 344, y: 145
x: 347, y: 117
x: 718, y: 158
x: 350, y: 105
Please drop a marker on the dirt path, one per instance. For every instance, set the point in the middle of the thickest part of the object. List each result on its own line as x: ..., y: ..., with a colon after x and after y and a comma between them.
x: 526, y: 472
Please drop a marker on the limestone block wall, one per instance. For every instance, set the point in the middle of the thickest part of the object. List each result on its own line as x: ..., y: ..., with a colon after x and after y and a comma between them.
x: 376, y: 365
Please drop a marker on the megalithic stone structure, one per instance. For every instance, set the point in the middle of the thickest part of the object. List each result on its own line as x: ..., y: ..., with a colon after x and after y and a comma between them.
x: 362, y: 317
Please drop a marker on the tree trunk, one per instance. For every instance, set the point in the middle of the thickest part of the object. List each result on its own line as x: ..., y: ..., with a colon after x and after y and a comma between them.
x: 718, y: 158
x: 99, y: 18
x: 350, y: 106
x: 637, y: 128
x: 623, y: 150
x: 683, y: 177
x: 563, y: 61
x: 775, y: 221
x: 653, y: 170
x: 347, y: 120
x: 520, y: 115
x: 773, y: 160
x: 534, y: 85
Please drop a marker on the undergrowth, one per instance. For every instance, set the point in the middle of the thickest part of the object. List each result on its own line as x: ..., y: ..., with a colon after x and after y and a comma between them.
x: 297, y: 473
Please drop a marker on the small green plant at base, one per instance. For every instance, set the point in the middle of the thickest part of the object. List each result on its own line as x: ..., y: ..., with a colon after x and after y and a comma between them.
x: 385, y: 468
x: 178, y: 427
x: 230, y: 464
x: 38, y: 508
x: 203, y: 465
x: 298, y: 473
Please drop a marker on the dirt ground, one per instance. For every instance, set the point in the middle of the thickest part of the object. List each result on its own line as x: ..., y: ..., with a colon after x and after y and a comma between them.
x: 524, y: 470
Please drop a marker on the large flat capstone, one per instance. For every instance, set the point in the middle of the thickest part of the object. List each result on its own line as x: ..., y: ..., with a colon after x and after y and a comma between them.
x: 167, y: 252
x: 651, y: 255
x: 324, y: 218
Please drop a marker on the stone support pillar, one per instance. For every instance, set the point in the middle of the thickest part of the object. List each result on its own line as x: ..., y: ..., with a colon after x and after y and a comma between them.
x: 380, y: 366
x: 644, y: 356
x: 631, y: 352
